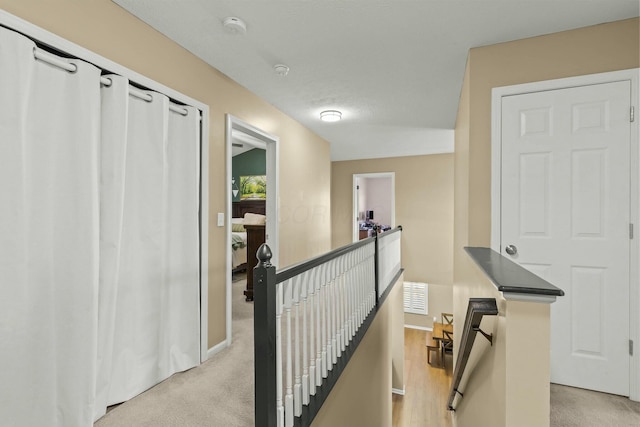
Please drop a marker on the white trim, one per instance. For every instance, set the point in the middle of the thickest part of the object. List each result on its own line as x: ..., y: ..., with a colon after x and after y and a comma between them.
x: 631, y: 75
x: 354, y: 192
x: 229, y: 268
x: 543, y: 299
x: 421, y: 328
x: 43, y: 36
x: 204, y: 234
x: 397, y: 391
x: 272, y: 144
x: 217, y: 348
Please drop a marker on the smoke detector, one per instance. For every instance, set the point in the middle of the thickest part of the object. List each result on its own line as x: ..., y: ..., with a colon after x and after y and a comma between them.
x: 233, y: 25
x: 281, y: 70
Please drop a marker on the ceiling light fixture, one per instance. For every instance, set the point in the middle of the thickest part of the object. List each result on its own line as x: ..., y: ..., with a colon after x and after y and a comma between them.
x: 281, y: 69
x: 330, y: 116
x: 233, y: 25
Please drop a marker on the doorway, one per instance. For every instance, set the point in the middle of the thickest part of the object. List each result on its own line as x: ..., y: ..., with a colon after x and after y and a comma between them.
x: 240, y: 133
x: 373, y: 203
x: 565, y: 195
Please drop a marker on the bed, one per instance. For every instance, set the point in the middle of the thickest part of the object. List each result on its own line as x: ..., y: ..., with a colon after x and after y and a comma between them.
x: 238, y: 245
x: 247, y: 234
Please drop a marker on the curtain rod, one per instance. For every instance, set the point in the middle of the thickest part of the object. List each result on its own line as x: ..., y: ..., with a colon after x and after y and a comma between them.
x: 44, y: 56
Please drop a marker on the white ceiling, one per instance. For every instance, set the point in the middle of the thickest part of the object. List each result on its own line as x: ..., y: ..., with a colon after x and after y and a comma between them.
x: 394, y: 67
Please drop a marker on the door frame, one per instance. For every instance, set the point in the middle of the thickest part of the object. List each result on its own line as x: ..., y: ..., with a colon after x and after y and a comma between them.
x: 271, y: 228
x: 631, y: 75
x: 392, y: 176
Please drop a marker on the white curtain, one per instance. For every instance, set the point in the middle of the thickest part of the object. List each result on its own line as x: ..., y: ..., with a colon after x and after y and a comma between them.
x: 150, y: 318
x: 99, y: 272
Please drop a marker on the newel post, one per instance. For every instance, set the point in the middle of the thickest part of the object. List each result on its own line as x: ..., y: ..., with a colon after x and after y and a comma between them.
x: 264, y: 327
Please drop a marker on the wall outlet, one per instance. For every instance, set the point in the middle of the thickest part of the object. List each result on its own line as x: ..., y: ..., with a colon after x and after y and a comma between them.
x: 435, y: 319
x: 220, y: 219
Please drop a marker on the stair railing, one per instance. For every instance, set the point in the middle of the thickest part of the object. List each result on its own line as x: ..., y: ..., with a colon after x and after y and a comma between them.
x: 309, y: 319
x: 476, y: 310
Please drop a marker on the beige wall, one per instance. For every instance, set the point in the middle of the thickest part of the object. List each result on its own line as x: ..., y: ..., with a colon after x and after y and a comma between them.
x: 362, y: 394
x: 104, y: 28
x: 600, y: 48
x: 424, y: 208
x: 440, y: 301
x: 506, y: 383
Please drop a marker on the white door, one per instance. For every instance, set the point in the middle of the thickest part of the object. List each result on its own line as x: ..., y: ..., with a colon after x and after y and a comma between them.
x: 565, y: 210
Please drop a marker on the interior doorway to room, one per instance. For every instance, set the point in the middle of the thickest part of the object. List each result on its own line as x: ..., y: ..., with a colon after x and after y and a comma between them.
x: 242, y: 138
x: 373, y: 203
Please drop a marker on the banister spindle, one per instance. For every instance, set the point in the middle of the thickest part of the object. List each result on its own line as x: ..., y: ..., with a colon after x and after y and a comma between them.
x: 361, y: 288
x: 297, y: 385
x: 323, y: 294
x: 340, y: 298
x: 353, y: 287
x: 312, y: 327
x: 334, y: 353
x: 328, y: 295
x: 318, y: 320
x: 305, y: 337
x: 288, y: 400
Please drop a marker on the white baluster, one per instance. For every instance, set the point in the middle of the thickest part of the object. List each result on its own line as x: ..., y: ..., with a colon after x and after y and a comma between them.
x: 336, y: 309
x: 353, y: 288
x: 365, y: 286
x: 312, y: 335
x: 328, y: 309
x: 305, y: 337
x: 288, y: 398
x: 372, y: 283
x: 279, y: 397
x: 345, y: 313
x: 334, y: 303
x: 325, y: 320
x: 340, y: 306
x: 361, y: 288
x: 347, y: 300
x: 318, y: 320
x: 297, y: 386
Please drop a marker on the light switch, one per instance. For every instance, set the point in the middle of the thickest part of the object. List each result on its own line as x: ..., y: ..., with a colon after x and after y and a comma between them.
x: 220, y: 219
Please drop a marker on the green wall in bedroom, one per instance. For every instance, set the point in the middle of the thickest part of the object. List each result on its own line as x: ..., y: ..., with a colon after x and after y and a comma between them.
x: 252, y: 162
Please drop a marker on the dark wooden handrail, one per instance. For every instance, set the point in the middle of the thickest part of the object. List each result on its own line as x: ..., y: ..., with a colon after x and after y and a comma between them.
x: 476, y: 310
x: 296, y: 269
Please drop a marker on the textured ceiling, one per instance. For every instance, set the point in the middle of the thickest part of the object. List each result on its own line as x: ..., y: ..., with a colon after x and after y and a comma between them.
x: 394, y: 67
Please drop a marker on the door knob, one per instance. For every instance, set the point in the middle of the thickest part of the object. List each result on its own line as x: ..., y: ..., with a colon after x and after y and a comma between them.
x: 511, y: 250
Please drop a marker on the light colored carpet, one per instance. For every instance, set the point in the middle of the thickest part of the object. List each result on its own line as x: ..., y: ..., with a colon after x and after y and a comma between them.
x: 217, y: 393
x: 584, y: 408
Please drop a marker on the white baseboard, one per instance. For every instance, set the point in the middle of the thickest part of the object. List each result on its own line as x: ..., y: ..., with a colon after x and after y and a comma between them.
x: 397, y: 391
x: 216, y: 348
x: 422, y: 328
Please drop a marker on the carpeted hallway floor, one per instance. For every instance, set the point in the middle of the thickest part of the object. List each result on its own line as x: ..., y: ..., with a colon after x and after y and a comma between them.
x: 217, y: 393
x: 583, y: 408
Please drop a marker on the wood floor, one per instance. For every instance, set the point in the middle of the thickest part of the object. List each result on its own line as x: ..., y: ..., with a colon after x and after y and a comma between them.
x: 426, y: 387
